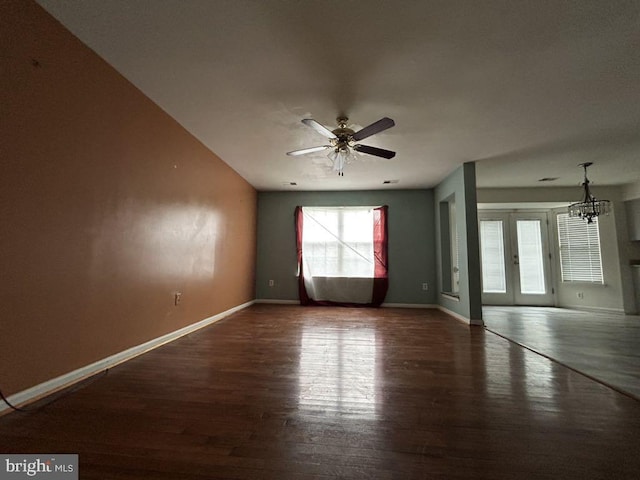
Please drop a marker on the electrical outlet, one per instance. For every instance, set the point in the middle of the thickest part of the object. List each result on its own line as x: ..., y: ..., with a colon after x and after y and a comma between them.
x: 271, y: 283
x: 425, y: 286
x: 177, y: 298
x: 580, y: 295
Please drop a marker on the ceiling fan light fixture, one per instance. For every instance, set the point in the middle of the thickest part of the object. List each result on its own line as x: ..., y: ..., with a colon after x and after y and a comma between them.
x: 340, y: 157
x: 589, y: 207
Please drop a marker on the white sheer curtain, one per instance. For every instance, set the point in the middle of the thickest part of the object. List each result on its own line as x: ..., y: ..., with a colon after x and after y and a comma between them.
x: 337, y: 249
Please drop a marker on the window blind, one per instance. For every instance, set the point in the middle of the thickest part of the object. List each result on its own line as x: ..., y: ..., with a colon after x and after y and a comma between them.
x: 579, y: 242
x: 530, y: 257
x: 492, y: 253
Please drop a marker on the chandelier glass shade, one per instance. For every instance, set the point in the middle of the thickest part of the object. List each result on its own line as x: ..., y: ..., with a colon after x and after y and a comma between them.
x: 341, y: 156
x: 589, y: 207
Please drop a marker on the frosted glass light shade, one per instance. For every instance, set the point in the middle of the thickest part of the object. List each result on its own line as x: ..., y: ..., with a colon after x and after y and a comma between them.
x: 341, y: 157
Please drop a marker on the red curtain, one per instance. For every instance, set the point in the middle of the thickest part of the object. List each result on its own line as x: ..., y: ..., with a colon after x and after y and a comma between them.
x: 380, y: 254
x: 302, y: 291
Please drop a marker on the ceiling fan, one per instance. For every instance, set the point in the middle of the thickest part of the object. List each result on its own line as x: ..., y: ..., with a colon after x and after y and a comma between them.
x: 342, y: 141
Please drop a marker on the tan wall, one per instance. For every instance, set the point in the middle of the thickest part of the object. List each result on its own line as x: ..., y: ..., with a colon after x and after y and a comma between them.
x: 108, y: 206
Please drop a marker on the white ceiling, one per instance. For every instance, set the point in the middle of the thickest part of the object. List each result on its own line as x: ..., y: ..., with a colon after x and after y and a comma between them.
x: 529, y: 89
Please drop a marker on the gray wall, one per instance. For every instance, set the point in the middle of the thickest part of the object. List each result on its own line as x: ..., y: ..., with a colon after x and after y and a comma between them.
x: 461, y: 185
x: 411, y: 226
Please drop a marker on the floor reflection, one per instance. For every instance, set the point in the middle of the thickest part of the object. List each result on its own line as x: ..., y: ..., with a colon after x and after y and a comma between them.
x: 539, y: 377
x: 517, y: 375
x: 337, y: 374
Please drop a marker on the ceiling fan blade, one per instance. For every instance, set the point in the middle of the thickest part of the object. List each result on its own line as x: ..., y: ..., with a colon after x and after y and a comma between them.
x: 374, y: 128
x: 378, y: 152
x: 304, y: 151
x: 321, y: 129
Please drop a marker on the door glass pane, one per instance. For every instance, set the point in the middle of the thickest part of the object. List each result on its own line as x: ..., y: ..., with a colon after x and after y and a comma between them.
x: 530, y: 257
x: 492, y: 252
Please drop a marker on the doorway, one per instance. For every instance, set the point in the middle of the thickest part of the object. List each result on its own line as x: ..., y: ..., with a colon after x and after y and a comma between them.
x: 515, y: 258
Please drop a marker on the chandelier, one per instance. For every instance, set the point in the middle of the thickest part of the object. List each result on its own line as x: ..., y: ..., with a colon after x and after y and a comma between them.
x: 589, y: 207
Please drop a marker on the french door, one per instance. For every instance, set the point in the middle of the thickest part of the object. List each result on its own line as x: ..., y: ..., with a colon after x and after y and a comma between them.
x: 515, y: 258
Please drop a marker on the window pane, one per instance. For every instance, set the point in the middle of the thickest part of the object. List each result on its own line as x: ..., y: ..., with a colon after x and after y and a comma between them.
x: 357, y: 225
x: 321, y: 226
x: 530, y: 257
x: 492, y: 252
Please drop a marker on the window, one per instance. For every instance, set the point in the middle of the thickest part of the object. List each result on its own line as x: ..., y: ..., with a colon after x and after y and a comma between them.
x: 580, y: 259
x: 338, y: 242
x: 342, y: 254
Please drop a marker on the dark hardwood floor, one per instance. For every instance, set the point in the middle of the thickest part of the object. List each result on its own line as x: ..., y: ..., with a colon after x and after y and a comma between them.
x: 289, y: 392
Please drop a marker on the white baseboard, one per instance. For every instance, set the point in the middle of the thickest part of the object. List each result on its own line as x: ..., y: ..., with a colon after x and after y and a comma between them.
x: 384, y: 305
x: 68, y: 379
x: 277, y: 302
x: 408, y: 305
x: 462, y: 318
